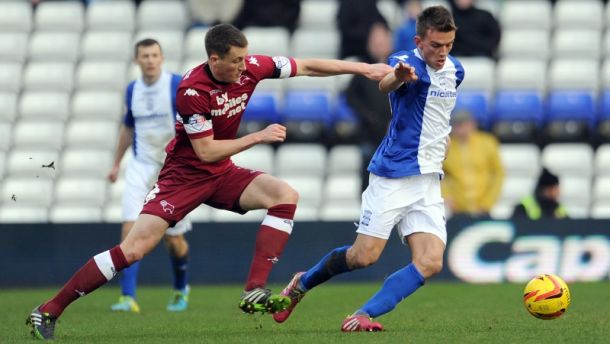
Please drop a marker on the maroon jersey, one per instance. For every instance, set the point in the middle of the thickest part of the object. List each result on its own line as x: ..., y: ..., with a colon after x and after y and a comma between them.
x: 207, y: 106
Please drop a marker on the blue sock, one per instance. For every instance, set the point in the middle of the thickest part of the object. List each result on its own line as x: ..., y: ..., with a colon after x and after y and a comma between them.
x: 332, y: 264
x: 129, y: 280
x: 396, y: 287
x: 179, y: 267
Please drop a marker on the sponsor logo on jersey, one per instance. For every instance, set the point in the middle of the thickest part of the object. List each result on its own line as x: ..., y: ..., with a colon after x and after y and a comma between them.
x: 230, y: 106
x: 273, y: 260
x: 213, y: 92
x: 254, y: 61
x: 442, y: 93
x: 152, y: 194
x: 191, y: 92
x: 402, y: 57
x: 167, y: 207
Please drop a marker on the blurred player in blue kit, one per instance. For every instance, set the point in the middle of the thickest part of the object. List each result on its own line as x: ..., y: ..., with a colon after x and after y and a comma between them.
x: 148, y: 126
x: 405, y: 174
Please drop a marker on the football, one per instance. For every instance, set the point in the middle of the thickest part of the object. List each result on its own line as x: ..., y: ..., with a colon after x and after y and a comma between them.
x: 546, y: 296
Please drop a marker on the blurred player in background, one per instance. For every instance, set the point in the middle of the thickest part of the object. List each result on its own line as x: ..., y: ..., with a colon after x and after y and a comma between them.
x: 198, y: 169
x: 404, y: 185
x: 148, y: 126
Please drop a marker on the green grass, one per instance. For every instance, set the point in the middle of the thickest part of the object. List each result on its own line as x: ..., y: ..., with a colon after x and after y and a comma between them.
x: 437, y: 313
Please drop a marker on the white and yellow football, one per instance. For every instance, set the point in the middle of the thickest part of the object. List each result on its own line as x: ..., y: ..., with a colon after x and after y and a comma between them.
x: 546, y: 296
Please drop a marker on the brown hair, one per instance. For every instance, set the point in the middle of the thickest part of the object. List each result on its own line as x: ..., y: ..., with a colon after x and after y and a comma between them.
x: 146, y: 42
x: 222, y: 37
x: 436, y: 18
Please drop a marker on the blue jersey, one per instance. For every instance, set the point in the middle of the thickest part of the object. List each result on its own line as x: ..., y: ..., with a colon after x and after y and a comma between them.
x: 151, y: 112
x: 416, y: 141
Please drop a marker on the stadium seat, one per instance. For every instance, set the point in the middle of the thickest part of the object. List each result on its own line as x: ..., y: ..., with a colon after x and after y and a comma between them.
x: 344, y: 160
x: 306, y: 115
x: 162, y: 15
x: 44, y: 105
x: 49, y: 76
x: 101, y: 76
x: 38, y: 134
x: 86, y: 162
x: 533, y: 14
x: 98, y: 134
x: 111, y: 16
x: 586, y: 14
x: 30, y: 162
x: 480, y: 74
x: 15, y: 213
x: 315, y: 43
x: 5, y: 138
x: 171, y: 66
x: 301, y: 160
x: 603, y: 125
x: 107, y: 46
x: 272, y: 85
x: 189, y: 64
x: 60, y: 16
x: 602, y: 160
x: 570, y: 115
x: 54, y: 47
x: 502, y: 210
x: 392, y: 12
x: 171, y: 42
x: 320, y: 15
x: 521, y: 160
x: 600, y: 211
x: 213, y: 11
x: 311, y: 84
x: 576, y: 195
x: 260, y: 112
x: 15, y: 16
x: 580, y: 163
x: 521, y: 74
x: 476, y: 103
x: 27, y: 191
x: 342, y: 189
x: 259, y: 158
x: 10, y: 77
x: 517, y: 115
x: 104, y: 105
x: 538, y: 47
x: 308, y: 187
x: 73, y: 213
x: 340, y: 211
x: 271, y: 41
x: 492, y: 6
x: 583, y: 75
x: 346, y: 127
x: 115, y: 193
x: 194, y: 45
x: 575, y: 43
x: 601, y: 190
x: 220, y: 215
x: 515, y: 188
x: 13, y: 47
x: 8, y: 104
x: 80, y: 190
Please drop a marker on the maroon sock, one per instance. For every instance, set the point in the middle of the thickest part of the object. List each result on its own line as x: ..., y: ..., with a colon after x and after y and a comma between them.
x: 270, y: 242
x: 95, y: 273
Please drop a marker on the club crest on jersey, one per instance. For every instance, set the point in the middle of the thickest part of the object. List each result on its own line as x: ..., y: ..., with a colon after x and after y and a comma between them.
x: 254, y: 61
x: 167, y: 207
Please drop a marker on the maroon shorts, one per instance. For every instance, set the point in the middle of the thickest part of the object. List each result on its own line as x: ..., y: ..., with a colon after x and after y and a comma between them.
x: 178, y: 191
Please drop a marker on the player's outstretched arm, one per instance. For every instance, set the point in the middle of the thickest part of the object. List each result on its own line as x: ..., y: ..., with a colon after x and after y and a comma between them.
x: 125, y: 140
x: 209, y: 150
x: 395, y: 78
x: 327, y: 67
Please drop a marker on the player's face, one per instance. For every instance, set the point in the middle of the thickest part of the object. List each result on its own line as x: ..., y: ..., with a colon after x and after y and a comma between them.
x: 435, y: 47
x: 230, y: 67
x: 150, y: 60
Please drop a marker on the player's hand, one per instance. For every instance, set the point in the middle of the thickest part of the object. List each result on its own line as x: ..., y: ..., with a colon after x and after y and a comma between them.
x: 113, y: 175
x: 273, y: 133
x: 404, y: 72
x: 377, y: 71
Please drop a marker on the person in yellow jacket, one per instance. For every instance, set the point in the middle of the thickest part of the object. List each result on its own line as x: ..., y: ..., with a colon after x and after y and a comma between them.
x: 545, y: 201
x: 473, y: 170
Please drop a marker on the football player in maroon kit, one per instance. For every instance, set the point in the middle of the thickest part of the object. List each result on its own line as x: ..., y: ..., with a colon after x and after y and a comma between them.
x: 211, y: 100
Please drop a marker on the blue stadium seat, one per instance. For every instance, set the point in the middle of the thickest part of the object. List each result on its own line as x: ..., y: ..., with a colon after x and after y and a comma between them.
x: 346, y: 125
x: 307, y: 115
x: 261, y: 111
x: 476, y: 103
x: 517, y: 115
x: 569, y: 116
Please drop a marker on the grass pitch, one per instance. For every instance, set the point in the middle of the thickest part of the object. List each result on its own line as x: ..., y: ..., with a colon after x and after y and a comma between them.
x: 437, y: 313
